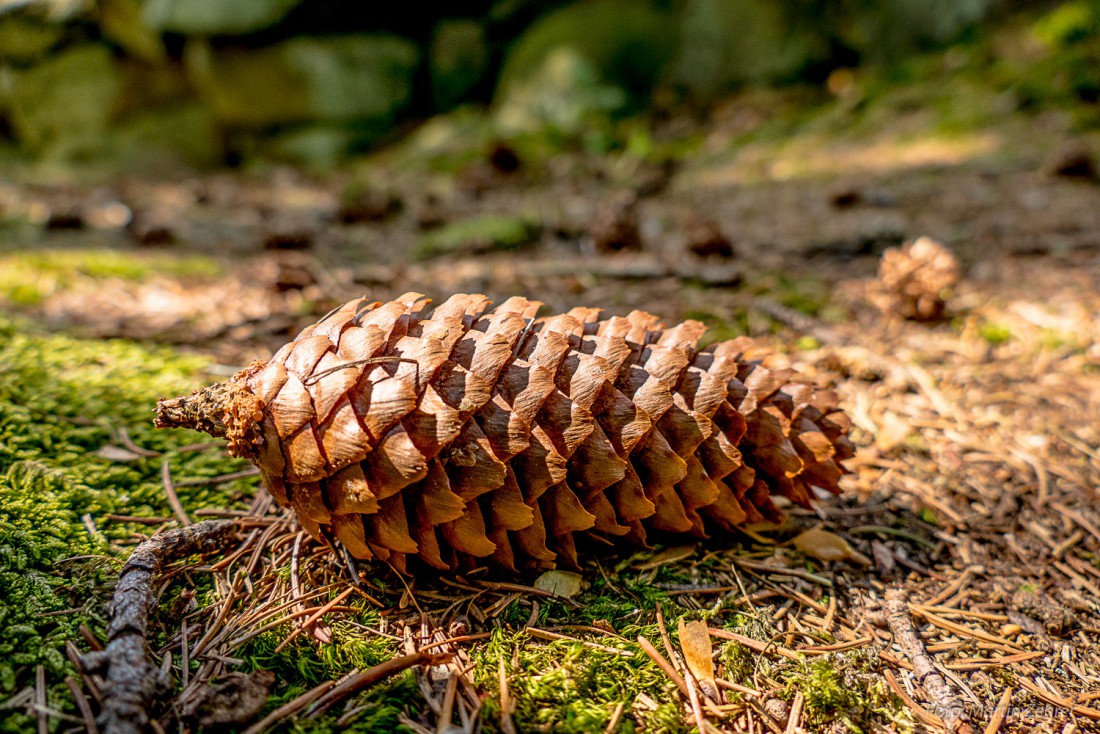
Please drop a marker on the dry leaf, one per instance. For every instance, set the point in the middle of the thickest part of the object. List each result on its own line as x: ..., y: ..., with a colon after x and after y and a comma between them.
x: 893, y: 432
x: 561, y: 583
x: 116, y: 453
x: 696, y: 645
x: 825, y: 546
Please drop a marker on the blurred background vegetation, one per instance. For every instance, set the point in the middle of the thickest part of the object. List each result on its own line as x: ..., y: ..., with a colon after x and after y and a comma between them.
x: 159, y: 83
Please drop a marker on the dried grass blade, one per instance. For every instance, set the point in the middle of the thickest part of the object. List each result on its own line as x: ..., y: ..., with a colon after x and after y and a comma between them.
x: 837, y: 647
x: 1000, y: 713
x: 693, y: 700
x: 616, y: 715
x: 755, y: 645
x: 170, y: 492
x: 554, y: 637
x: 664, y: 665
x: 925, y: 718
x: 507, y: 703
x: 312, y: 619
x: 964, y: 631
x: 796, y: 713
x: 366, y: 678
x: 40, y: 701
x: 1089, y: 713
x: 290, y: 707
x: 82, y: 705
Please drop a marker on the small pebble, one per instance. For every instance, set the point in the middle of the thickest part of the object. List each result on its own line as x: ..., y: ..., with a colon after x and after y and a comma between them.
x: 777, y: 709
x: 1011, y: 630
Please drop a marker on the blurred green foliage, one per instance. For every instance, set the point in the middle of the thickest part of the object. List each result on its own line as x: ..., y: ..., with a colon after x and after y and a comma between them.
x: 27, y: 278
x: 159, y: 82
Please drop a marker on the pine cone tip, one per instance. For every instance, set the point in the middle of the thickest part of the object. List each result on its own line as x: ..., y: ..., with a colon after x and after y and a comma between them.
x: 223, y: 410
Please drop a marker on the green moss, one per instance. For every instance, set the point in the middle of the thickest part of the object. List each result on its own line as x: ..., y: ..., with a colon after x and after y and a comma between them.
x: 616, y: 605
x: 303, y: 664
x: 28, y: 278
x: 836, y: 690
x: 719, y: 328
x: 995, y: 334
x: 481, y: 234
x: 566, y: 686
x: 61, y: 400
x: 625, y: 44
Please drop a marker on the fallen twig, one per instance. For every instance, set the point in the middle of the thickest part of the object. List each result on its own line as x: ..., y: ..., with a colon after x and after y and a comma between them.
x: 358, y: 681
x: 943, y: 700
x: 131, y: 681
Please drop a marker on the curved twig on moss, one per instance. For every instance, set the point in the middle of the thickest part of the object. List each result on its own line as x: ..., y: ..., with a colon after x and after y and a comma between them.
x: 132, y: 681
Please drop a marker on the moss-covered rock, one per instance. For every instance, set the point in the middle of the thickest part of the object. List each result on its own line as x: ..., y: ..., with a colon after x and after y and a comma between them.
x: 599, y: 55
x: 886, y: 31
x: 332, y: 79
x: 481, y: 234
x: 181, y: 134
x: 63, y: 106
x: 312, y: 146
x: 727, y: 43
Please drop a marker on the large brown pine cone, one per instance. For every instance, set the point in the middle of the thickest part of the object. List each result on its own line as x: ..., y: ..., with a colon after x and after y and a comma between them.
x: 467, y: 432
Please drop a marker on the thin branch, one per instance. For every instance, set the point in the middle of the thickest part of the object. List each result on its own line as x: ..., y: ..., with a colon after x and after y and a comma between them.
x: 941, y: 697
x: 132, y: 683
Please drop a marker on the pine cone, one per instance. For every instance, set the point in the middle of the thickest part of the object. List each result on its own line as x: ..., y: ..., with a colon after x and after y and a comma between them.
x: 915, y: 281
x: 703, y: 237
x: 462, y: 432
x: 614, y: 226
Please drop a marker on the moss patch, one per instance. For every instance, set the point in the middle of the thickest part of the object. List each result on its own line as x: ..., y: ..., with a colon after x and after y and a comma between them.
x: 28, y: 278
x: 481, y: 234
x: 61, y: 401
x: 569, y: 687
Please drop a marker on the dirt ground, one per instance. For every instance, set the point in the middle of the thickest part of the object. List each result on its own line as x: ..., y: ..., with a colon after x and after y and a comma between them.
x: 974, y: 489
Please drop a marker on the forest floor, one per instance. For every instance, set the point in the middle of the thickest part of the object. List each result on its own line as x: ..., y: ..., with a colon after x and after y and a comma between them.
x: 974, y: 489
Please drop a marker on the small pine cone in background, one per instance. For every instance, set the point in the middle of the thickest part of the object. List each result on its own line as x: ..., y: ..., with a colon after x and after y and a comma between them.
x: 614, y: 225
x: 915, y: 281
x: 703, y: 237
x: 464, y: 432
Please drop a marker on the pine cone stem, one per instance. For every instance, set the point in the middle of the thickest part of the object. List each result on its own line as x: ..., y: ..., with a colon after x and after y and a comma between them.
x: 223, y: 410
x: 203, y: 410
